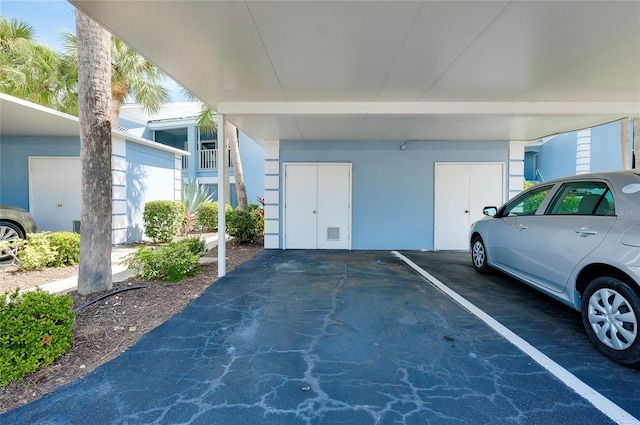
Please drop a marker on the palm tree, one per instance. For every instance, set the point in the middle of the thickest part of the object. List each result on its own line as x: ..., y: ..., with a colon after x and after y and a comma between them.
x: 207, y: 123
x: 94, y: 75
x: 132, y: 76
x: 32, y: 71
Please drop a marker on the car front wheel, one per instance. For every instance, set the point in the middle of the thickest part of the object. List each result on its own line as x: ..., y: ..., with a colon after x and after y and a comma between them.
x: 479, y: 255
x: 610, y: 315
x: 9, y: 232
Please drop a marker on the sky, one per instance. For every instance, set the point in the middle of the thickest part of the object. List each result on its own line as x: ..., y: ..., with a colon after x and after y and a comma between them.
x: 51, y: 18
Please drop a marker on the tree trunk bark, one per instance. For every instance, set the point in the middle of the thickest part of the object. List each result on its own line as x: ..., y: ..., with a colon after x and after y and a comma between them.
x: 94, y: 99
x: 241, y: 189
x: 115, y: 113
x: 624, y: 143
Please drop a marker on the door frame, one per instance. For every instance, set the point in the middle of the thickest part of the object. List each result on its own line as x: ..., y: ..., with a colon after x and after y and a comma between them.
x: 284, y: 197
x: 470, y: 163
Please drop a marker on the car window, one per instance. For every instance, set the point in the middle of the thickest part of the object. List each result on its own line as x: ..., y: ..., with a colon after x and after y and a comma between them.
x: 582, y: 198
x: 527, y: 203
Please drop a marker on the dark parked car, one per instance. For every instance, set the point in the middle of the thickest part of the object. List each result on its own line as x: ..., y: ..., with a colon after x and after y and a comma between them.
x: 576, y: 239
x: 15, y: 223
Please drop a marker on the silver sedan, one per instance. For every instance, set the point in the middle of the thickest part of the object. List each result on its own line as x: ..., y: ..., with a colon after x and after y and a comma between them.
x: 15, y: 223
x: 576, y: 239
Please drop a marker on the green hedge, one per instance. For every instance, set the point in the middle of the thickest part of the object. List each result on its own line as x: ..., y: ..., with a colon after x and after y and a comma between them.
x: 245, y: 225
x: 35, y: 329
x: 207, y: 215
x: 163, y: 220
x: 36, y: 252
x: 67, y: 248
x: 46, y: 249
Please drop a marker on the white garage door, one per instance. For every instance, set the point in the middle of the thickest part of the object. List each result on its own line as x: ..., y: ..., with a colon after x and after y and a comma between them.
x: 461, y: 191
x: 317, y: 206
x: 55, y: 192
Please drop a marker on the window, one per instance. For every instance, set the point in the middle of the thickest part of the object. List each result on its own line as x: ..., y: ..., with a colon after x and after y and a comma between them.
x: 527, y: 203
x: 582, y: 198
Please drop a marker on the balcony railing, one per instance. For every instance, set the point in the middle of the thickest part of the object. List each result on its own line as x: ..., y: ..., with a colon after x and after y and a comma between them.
x: 207, y: 160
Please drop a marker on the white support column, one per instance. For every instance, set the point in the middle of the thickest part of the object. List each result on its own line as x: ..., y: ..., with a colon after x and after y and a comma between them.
x: 272, y: 194
x: 583, y: 151
x: 222, y: 164
x: 516, y: 167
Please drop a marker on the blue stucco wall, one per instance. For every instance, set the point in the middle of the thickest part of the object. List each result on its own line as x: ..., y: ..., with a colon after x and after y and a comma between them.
x: 557, y: 157
x: 150, y: 177
x: 252, y: 155
x: 14, y: 163
x: 392, y: 190
x: 606, y: 150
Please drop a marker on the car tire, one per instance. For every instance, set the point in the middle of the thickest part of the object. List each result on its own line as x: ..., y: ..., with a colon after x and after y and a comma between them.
x: 479, y: 256
x: 611, y: 314
x: 9, y: 232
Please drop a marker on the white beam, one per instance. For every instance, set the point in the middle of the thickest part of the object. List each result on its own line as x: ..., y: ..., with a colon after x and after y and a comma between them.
x: 222, y: 165
x: 622, y: 109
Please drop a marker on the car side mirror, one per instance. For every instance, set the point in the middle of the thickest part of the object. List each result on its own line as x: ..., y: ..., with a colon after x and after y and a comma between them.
x: 490, y: 211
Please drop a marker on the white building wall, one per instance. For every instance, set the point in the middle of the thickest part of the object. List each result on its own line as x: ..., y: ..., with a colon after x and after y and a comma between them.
x: 583, y: 151
x: 271, y: 194
x: 119, y: 202
x: 516, y: 168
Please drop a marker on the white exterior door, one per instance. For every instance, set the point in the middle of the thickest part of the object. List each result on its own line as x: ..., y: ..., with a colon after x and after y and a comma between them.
x: 55, y: 192
x: 461, y: 191
x: 317, y: 205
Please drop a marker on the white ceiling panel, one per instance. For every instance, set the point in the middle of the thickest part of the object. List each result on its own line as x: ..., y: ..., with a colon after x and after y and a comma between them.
x: 441, y: 33
x: 403, y: 51
x: 333, y: 50
x: 21, y: 118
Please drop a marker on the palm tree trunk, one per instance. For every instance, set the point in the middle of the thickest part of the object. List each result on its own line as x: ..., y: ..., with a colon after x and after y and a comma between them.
x: 115, y: 113
x: 241, y: 189
x: 624, y: 143
x: 94, y: 98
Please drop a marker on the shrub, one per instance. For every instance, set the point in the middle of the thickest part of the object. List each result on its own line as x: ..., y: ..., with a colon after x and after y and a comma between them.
x: 245, y: 225
x: 36, y: 252
x: 171, y: 262
x: 163, y: 219
x: 207, y: 215
x: 193, y: 195
x: 36, y: 329
x: 196, y: 245
x: 67, y: 248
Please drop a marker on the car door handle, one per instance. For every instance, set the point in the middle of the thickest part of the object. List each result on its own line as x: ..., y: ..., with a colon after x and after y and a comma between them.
x: 522, y: 227
x: 586, y: 231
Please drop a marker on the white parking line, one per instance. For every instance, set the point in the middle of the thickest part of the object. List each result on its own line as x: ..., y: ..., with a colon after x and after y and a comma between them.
x: 600, y: 402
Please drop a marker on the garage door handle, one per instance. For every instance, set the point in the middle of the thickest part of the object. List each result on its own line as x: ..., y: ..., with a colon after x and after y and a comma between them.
x: 586, y: 231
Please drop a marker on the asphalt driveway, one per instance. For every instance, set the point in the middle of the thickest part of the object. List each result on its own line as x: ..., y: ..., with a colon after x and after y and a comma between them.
x: 331, y: 337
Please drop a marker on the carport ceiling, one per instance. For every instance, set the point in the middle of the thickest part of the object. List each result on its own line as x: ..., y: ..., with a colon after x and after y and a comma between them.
x: 21, y: 118
x: 394, y: 70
